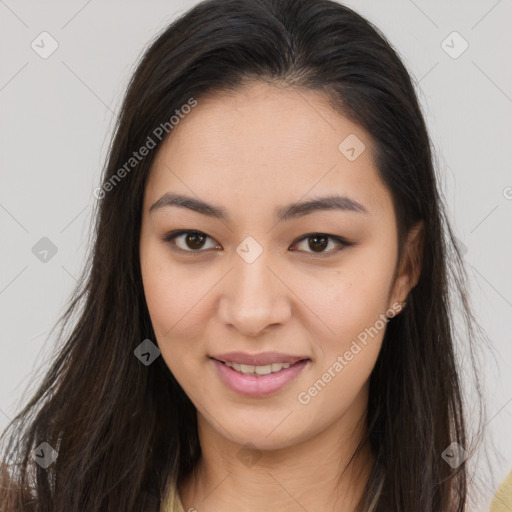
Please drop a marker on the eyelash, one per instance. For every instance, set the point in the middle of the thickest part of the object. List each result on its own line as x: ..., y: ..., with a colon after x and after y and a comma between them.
x: 170, y: 237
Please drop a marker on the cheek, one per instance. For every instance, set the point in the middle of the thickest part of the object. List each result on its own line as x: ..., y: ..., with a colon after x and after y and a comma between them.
x: 169, y: 295
x: 353, y: 302
x: 355, y: 311
x: 166, y: 308
x: 173, y: 300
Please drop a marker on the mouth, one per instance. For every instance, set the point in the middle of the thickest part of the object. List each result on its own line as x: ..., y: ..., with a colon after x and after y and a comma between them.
x: 260, y: 370
x: 258, y: 381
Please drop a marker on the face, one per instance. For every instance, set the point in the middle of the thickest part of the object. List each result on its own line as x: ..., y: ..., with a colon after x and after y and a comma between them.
x: 252, y: 271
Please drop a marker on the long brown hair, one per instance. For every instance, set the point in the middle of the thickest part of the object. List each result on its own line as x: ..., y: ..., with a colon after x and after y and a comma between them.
x: 123, y: 430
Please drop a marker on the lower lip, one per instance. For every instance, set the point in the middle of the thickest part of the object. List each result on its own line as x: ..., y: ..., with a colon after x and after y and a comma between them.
x: 258, y: 385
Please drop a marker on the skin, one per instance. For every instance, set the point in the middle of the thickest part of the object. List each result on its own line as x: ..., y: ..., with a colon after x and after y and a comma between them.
x: 251, y: 152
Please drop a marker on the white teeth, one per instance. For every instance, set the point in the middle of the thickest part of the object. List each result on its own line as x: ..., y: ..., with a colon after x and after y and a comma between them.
x: 250, y: 369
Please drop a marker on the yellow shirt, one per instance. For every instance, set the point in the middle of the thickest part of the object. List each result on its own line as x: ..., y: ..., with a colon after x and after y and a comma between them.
x: 172, y: 501
x: 502, y: 501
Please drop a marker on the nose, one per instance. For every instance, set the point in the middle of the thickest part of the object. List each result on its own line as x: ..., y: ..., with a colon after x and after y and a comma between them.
x: 254, y: 297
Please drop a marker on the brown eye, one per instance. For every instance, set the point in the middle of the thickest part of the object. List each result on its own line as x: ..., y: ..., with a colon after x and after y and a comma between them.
x: 195, y: 240
x: 187, y: 241
x: 318, y: 242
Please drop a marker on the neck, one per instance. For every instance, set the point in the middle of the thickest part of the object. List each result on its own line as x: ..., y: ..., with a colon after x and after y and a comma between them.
x: 319, y: 473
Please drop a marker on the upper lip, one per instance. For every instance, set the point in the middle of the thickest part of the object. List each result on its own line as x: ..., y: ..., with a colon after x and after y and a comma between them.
x: 261, y: 359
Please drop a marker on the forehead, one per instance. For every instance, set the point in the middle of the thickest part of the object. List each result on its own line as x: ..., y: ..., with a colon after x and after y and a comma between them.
x: 265, y: 144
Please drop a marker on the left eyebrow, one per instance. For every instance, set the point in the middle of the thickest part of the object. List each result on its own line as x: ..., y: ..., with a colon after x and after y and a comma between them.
x: 332, y: 202
x: 294, y: 210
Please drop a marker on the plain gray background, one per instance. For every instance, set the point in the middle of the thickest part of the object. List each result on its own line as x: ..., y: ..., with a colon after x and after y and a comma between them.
x: 58, y: 113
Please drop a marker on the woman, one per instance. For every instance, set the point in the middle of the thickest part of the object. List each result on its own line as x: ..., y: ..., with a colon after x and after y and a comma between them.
x: 265, y: 321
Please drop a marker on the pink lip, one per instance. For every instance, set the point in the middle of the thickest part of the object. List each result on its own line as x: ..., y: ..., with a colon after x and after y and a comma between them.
x: 261, y: 359
x: 258, y: 385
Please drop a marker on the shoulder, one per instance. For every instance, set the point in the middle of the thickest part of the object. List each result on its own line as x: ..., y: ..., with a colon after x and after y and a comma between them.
x: 13, y: 497
x: 502, y: 501
x: 171, y: 501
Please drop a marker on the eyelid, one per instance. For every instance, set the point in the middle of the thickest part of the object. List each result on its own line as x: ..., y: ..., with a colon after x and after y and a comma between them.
x: 170, y: 237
